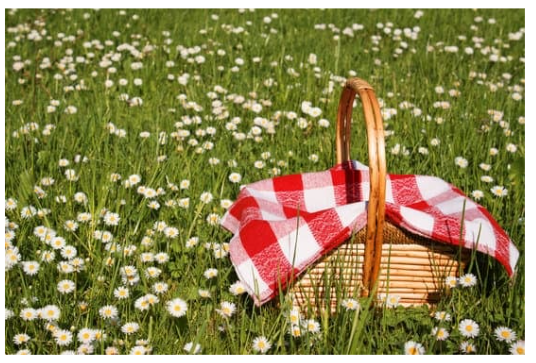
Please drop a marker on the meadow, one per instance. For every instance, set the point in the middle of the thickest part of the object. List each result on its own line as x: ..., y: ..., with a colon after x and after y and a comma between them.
x: 128, y: 134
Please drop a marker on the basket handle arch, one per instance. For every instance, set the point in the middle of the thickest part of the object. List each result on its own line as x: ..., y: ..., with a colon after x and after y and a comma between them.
x: 377, y: 168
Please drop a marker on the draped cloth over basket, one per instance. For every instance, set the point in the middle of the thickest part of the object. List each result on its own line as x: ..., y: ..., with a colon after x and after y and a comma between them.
x: 283, y: 225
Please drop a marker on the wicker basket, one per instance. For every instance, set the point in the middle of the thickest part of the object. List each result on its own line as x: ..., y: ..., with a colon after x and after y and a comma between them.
x: 381, y: 258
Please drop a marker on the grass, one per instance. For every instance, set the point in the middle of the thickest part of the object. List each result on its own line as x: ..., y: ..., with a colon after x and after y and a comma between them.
x: 485, y: 110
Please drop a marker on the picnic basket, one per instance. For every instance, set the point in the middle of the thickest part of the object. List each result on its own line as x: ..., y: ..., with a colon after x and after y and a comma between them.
x: 381, y: 259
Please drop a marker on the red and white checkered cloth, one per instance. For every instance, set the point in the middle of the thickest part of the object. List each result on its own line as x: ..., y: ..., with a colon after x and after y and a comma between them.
x: 284, y: 224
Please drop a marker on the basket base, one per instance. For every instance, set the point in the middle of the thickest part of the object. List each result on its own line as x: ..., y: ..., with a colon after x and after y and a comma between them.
x: 412, y: 273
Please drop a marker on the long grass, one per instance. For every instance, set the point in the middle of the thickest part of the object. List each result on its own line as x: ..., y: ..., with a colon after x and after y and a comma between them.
x: 277, y: 59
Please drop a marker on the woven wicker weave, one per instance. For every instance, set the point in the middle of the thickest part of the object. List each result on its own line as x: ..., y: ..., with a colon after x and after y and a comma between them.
x: 382, y: 256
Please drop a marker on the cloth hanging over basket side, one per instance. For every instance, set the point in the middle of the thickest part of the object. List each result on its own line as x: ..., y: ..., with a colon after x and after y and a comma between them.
x: 284, y: 224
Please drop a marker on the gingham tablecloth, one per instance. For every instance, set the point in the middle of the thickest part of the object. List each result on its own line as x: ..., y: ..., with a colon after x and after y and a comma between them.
x: 284, y: 224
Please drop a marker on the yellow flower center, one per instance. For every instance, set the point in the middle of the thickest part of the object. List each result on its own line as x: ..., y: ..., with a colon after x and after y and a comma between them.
x: 520, y: 350
x: 413, y: 351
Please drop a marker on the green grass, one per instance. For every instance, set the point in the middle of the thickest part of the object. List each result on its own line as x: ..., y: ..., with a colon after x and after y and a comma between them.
x: 400, y: 68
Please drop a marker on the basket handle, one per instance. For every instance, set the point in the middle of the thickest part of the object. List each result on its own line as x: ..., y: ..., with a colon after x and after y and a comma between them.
x: 377, y: 168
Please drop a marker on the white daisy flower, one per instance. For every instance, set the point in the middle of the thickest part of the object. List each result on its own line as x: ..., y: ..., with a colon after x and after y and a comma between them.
x: 235, y: 178
x: 111, y: 219
x: 518, y: 348
x: 86, y: 335
x: 30, y: 267
x: 469, y: 328
x: 66, y: 286
x: 210, y: 273
x: 108, y: 312
x: 227, y: 309
x: 63, y: 337
x: 237, y: 288
x: 467, y: 280
x: 206, y: 197
x: 467, y: 348
x: 499, y: 191
x: 461, y: 162
x: 111, y: 350
x: 413, y: 348
x: 350, y: 304
x: 177, y: 307
x: 21, y: 339
x: 261, y: 344
x: 505, y: 334
x: 121, y: 293
x: 50, y: 313
x: 138, y: 350
x: 311, y: 326
x: 477, y: 194
x: 130, y: 328
x: 440, y: 333
x: 451, y: 281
